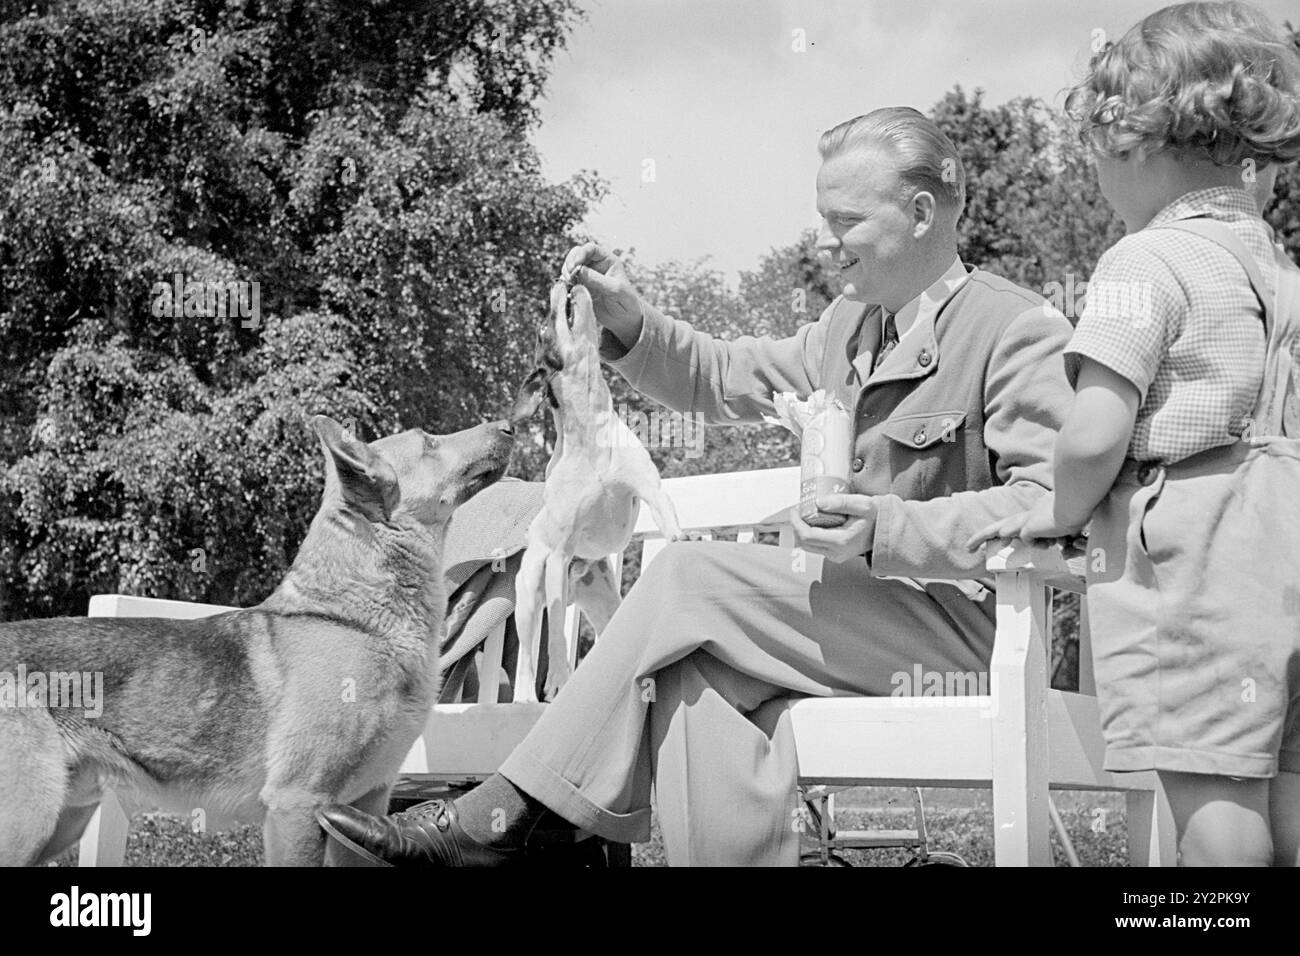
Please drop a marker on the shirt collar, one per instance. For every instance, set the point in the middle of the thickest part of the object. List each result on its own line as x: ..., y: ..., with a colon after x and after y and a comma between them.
x: 1219, y: 202
x: 919, y: 313
x: 928, y: 302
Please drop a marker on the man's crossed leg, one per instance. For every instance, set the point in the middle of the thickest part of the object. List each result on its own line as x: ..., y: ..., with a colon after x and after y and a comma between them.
x: 688, y: 691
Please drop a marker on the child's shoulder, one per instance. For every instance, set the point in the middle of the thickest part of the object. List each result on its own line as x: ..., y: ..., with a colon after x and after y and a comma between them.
x: 1152, y: 259
x: 1153, y: 250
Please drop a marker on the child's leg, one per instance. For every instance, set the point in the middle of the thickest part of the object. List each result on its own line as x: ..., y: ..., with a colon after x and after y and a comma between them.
x: 1220, y: 821
x: 1284, y: 817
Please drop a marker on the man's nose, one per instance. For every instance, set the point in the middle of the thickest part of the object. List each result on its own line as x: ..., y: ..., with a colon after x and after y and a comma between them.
x: 826, y: 240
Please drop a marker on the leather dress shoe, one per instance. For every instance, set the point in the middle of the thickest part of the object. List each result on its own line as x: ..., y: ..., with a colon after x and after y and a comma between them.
x: 428, y: 834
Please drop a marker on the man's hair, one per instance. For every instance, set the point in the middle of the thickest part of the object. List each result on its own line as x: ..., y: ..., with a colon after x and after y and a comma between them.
x: 924, y: 158
x: 1216, y: 81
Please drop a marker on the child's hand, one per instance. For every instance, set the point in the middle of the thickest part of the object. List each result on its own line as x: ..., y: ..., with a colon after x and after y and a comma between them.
x: 1038, y: 523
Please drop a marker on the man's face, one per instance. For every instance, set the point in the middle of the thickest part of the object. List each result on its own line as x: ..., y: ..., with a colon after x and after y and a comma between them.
x: 866, y: 231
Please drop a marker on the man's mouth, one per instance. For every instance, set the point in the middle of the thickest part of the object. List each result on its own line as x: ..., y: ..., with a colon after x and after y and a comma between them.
x: 848, y: 264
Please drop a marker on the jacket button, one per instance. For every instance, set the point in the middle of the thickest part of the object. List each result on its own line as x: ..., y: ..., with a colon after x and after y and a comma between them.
x: 858, y: 463
x: 923, y: 359
x: 919, y: 437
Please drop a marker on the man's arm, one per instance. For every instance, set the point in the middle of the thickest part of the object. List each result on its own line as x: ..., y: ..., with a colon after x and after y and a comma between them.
x: 727, y: 382
x: 1026, y: 396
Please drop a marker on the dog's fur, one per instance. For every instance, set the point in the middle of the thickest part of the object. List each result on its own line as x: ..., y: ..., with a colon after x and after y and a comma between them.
x: 597, y: 473
x: 312, y: 697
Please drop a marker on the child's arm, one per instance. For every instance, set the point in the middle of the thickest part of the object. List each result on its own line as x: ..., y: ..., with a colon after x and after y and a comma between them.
x: 1089, y: 452
x: 1091, y: 446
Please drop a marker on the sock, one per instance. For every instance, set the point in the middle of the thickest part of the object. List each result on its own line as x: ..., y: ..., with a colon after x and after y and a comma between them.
x: 498, y: 814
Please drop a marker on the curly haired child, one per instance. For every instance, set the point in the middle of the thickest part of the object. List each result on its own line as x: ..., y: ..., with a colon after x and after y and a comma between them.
x: 1181, y: 362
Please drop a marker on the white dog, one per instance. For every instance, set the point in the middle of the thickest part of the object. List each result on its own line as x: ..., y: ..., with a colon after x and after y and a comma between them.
x: 596, y: 475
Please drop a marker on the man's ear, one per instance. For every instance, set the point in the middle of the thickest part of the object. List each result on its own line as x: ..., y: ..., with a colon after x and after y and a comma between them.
x: 365, y: 478
x: 925, y: 210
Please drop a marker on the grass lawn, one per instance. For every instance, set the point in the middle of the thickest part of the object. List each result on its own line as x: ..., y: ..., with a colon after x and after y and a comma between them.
x: 959, y: 821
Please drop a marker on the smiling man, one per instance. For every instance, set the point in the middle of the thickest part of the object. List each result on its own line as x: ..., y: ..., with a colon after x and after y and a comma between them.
x: 957, y: 386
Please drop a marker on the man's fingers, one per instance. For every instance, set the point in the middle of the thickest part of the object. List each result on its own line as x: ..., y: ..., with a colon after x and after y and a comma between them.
x: 805, y: 535
x: 835, y: 544
x: 578, y: 256
x: 858, y: 505
x: 587, y: 259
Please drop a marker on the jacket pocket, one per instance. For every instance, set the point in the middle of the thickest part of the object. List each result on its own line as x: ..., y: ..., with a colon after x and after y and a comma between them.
x: 924, y: 429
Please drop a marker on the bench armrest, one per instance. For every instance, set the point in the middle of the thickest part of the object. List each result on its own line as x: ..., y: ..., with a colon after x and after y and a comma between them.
x: 1049, y: 563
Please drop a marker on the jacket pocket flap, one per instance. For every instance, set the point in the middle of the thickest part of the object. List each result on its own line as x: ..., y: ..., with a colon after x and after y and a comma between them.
x: 925, y: 429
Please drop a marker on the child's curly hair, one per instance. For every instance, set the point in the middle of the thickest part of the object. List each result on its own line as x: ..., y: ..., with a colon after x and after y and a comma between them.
x: 1214, y: 81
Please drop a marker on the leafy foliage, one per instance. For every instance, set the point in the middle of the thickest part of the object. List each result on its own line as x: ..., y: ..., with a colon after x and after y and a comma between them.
x: 367, y: 166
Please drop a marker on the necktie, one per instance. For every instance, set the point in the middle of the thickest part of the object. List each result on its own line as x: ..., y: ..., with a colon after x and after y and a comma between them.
x: 888, y: 341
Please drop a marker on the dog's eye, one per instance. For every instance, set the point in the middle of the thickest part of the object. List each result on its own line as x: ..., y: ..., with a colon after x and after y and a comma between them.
x: 430, y: 441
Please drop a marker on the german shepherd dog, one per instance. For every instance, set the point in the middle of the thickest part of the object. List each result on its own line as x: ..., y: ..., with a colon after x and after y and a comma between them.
x: 312, y: 697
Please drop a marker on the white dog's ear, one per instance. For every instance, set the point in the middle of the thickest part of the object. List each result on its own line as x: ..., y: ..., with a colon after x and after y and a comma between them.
x: 365, y: 478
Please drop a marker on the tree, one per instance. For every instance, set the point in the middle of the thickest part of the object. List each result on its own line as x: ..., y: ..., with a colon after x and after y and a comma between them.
x: 364, y: 167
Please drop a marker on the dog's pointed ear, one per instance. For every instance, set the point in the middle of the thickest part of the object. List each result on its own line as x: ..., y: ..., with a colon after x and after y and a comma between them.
x: 530, y: 396
x: 365, y: 478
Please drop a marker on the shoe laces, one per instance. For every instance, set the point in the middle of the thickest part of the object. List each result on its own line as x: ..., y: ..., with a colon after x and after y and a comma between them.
x: 435, y: 809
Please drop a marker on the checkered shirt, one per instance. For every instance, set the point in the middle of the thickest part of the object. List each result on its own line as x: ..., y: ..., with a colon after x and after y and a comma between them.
x: 1175, y: 315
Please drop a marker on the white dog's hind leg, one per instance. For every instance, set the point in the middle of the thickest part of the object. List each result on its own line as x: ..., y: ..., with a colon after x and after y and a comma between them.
x: 557, y: 645
x: 596, y: 593
x: 530, y: 598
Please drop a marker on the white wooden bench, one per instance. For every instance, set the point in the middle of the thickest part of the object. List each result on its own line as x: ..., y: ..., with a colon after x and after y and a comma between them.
x: 1021, y: 741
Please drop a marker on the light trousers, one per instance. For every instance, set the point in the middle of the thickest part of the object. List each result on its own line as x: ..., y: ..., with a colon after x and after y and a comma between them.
x: 689, y: 687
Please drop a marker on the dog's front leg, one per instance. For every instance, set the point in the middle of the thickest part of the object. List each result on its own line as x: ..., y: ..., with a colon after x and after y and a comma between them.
x: 291, y: 836
x: 557, y: 644
x: 662, y: 510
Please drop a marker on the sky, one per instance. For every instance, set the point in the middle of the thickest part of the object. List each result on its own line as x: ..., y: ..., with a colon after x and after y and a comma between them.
x: 703, y: 115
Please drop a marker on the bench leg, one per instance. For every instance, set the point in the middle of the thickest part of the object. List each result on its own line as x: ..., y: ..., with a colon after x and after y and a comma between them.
x: 104, y: 842
x: 1021, y: 819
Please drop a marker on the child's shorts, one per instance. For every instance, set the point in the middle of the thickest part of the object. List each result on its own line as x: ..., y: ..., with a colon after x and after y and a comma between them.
x: 1194, y: 607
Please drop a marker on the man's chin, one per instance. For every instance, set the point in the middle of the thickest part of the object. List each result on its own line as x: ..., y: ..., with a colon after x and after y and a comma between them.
x: 853, y: 294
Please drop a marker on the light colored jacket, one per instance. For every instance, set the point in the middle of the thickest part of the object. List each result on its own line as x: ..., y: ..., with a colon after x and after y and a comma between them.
x: 955, y: 430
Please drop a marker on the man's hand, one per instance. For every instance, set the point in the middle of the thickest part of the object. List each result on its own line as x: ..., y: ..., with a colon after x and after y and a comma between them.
x: 614, y: 300
x: 850, y: 540
x: 1038, y: 523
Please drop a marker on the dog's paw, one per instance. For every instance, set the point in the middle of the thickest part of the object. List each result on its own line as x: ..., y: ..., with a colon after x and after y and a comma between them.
x: 688, y: 536
x: 555, y: 679
x: 552, y: 689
